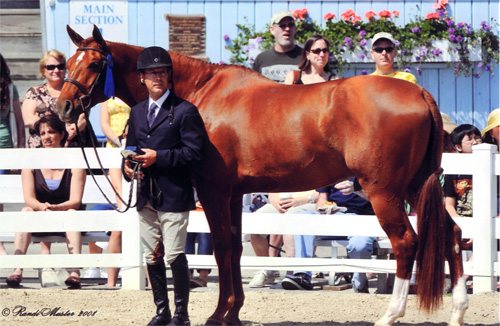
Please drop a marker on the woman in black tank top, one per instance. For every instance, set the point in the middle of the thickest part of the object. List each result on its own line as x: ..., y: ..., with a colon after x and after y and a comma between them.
x: 51, y: 190
x: 314, y: 66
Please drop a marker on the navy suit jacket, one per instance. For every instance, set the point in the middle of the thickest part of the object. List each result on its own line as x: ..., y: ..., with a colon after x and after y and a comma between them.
x: 178, y: 136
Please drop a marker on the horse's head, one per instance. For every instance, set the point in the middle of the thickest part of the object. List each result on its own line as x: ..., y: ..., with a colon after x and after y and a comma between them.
x: 89, y: 76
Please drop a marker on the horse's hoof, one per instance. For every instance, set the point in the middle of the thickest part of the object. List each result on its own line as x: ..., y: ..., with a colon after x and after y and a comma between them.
x: 213, y: 322
x: 232, y: 322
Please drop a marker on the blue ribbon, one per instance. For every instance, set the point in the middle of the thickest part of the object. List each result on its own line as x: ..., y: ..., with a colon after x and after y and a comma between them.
x: 109, y: 84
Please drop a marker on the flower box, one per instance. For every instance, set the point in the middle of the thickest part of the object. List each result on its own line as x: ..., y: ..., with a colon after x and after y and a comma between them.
x: 441, y: 51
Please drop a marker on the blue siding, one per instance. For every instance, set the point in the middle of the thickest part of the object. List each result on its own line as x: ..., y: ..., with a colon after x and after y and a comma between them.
x: 466, y: 99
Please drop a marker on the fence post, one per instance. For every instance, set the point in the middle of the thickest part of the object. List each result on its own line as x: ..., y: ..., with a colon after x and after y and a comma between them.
x: 483, y: 193
x: 133, y: 277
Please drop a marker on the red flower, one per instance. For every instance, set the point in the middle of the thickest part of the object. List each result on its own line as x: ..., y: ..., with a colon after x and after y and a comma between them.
x: 395, y: 13
x: 348, y: 14
x: 432, y: 15
x: 329, y: 16
x: 385, y: 14
x: 370, y: 14
x: 300, y: 14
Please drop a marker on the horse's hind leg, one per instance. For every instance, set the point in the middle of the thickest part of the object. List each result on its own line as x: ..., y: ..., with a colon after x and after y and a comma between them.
x: 454, y: 256
x: 232, y: 316
x: 393, y: 219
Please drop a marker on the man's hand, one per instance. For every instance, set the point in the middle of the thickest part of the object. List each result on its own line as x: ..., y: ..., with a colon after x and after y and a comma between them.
x: 148, y: 158
x: 345, y: 187
x: 130, y: 172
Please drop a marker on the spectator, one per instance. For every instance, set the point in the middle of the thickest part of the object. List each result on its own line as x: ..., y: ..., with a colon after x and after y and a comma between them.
x: 204, y: 248
x: 458, y: 188
x: 41, y: 100
x: 12, y: 133
x: 491, y: 133
x: 384, y: 51
x: 114, y: 122
x: 168, y: 145
x: 51, y: 190
x: 313, y: 67
x: 448, y: 128
x: 344, y: 196
x: 275, y: 64
x: 284, y: 203
x: 285, y: 55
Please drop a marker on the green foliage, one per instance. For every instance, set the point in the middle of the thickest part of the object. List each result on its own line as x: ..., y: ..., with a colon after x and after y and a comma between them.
x: 350, y: 36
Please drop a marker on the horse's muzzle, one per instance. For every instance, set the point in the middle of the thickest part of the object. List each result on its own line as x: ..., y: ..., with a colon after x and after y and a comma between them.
x: 66, y: 113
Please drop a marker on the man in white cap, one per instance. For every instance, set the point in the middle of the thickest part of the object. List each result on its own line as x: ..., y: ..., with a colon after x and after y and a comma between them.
x: 285, y: 55
x: 383, y: 54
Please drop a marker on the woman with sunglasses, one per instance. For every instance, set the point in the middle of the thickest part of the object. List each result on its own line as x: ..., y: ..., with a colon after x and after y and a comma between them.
x: 383, y: 54
x: 41, y: 100
x: 314, y: 65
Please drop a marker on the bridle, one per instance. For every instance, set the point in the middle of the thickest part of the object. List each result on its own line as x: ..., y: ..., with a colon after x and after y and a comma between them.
x: 107, y: 64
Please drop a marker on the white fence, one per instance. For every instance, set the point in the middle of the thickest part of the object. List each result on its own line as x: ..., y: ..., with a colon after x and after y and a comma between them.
x: 483, y: 164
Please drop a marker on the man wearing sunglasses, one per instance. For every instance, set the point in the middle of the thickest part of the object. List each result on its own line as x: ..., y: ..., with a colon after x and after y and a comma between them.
x: 285, y: 55
x: 383, y: 54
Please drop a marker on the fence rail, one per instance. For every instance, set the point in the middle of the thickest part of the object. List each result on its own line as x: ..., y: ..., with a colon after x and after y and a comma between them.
x: 483, y: 228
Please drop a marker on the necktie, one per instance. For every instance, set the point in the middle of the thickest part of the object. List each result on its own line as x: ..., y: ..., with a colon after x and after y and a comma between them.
x: 152, y: 114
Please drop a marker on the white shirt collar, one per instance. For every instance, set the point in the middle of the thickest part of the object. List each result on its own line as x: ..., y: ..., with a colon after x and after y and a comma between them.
x: 159, y: 101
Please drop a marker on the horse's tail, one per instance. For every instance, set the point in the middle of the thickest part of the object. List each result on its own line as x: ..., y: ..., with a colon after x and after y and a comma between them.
x: 431, y: 218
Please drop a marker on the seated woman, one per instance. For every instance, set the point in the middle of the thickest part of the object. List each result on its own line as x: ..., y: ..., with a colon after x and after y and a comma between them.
x: 51, y: 190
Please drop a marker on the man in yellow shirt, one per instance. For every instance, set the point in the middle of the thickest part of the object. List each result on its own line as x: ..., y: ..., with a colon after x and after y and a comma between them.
x: 384, y: 51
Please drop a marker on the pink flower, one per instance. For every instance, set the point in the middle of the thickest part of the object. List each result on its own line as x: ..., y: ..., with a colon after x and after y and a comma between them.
x: 440, y: 4
x: 370, y: 14
x: 329, y: 16
x: 432, y: 15
x: 395, y: 13
x: 385, y: 14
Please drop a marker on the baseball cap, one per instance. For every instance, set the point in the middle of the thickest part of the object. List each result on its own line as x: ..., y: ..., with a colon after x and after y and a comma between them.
x: 280, y: 15
x: 383, y: 35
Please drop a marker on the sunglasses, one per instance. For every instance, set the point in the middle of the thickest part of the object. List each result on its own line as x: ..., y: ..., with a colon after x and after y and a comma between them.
x: 60, y: 66
x: 285, y: 25
x: 388, y: 49
x: 318, y: 50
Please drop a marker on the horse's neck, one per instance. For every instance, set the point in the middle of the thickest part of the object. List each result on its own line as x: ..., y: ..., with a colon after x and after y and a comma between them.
x: 190, y: 75
x: 128, y: 87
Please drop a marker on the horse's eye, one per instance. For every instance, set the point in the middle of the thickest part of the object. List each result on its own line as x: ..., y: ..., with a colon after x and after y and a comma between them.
x: 95, y: 66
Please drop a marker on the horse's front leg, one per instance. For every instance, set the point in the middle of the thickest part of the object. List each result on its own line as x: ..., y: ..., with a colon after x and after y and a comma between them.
x: 216, y: 207
x: 232, y: 317
x: 394, y: 221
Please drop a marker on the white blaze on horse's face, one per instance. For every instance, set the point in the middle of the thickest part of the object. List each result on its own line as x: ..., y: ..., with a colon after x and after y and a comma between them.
x: 79, y: 58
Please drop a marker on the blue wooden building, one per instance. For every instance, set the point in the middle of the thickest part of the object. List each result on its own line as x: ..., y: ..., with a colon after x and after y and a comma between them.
x: 144, y: 23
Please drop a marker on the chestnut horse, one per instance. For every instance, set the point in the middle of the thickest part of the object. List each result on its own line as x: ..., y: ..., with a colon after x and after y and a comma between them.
x: 270, y: 137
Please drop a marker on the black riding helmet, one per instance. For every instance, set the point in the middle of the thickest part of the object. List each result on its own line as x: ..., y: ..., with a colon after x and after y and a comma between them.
x: 153, y: 57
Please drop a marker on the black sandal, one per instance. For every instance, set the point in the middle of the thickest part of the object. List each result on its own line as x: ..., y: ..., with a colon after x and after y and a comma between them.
x: 73, y: 283
x: 14, y: 280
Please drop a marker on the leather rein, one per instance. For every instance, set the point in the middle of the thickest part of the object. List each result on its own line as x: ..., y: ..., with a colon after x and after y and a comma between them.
x: 85, y: 103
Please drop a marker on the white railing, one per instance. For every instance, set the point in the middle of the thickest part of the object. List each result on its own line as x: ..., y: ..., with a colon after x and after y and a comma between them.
x: 483, y: 164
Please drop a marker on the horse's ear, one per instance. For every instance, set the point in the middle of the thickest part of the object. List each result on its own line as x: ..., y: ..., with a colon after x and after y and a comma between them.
x: 96, y: 33
x: 74, y: 36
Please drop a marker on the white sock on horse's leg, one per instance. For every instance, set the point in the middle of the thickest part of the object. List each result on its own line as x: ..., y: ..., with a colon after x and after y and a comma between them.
x: 460, y: 302
x: 397, y: 305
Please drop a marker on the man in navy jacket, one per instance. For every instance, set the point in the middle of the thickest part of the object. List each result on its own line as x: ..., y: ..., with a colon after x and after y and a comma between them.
x: 168, y: 135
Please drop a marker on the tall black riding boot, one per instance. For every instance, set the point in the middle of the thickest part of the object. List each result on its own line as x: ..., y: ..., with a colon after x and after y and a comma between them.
x: 158, y: 279
x: 180, y: 273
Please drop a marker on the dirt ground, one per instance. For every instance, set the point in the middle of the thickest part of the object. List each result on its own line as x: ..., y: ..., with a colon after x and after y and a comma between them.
x: 262, y: 307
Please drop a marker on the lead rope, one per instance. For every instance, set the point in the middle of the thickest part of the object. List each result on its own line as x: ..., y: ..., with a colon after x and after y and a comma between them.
x: 136, y: 171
